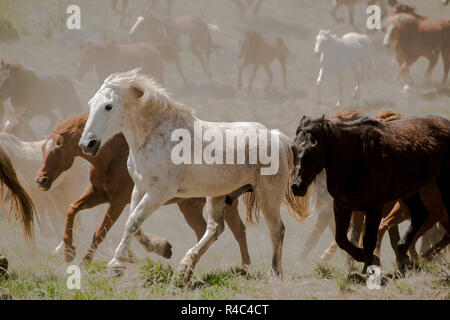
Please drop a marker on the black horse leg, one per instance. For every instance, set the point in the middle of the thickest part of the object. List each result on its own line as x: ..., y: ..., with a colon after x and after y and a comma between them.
x: 342, y: 218
x: 419, y: 214
x: 373, y: 218
x: 443, y: 183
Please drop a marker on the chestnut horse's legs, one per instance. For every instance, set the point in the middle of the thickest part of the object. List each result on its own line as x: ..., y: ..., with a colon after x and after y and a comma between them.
x: 283, y: 71
x: 238, y: 229
x: 337, y: 5
x: 351, y: 16
x: 269, y: 75
x: 441, y: 244
x: 432, y: 61
x: 446, y: 59
x: 91, y: 198
x: 192, y: 210
x: 419, y: 214
x: 112, y: 213
x: 252, y: 78
x: 395, y: 217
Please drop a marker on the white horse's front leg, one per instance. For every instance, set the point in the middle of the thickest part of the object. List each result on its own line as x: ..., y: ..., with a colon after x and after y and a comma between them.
x: 340, y: 80
x: 150, y: 201
x: 215, y: 207
x: 318, y: 83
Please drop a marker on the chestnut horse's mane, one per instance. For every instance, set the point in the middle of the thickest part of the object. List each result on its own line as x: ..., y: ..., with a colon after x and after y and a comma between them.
x: 382, y: 116
x: 73, y: 124
x: 404, y: 8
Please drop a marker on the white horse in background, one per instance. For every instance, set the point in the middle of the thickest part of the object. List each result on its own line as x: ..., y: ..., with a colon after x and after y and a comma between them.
x: 153, y: 124
x: 27, y: 158
x: 353, y: 52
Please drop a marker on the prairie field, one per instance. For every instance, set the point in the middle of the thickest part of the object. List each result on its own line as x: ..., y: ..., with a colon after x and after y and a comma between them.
x: 35, y: 273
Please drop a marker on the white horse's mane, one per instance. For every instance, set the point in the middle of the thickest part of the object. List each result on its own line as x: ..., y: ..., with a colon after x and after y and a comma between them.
x: 152, y: 91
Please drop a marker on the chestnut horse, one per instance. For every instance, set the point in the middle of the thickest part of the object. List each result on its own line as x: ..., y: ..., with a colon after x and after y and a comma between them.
x: 260, y: 50
x: 34, y: 94
x: 111, y: 56
x: 413, y: 36
x: 111, y: 183
x: 369, y: 163
x: 21, y: 203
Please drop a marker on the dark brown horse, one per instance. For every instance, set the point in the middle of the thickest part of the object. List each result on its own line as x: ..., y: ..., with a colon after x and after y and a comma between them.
x: 369, y: 163
x: 33, y: 94
x: 112, y: 184
x: 413, y: 36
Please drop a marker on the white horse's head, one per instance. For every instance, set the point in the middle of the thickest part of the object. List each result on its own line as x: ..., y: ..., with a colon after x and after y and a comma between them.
x: 322, y: 40
x: 120, y: 93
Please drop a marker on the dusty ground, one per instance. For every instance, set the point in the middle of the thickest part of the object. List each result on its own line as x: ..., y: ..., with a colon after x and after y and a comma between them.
x: 35, y: 273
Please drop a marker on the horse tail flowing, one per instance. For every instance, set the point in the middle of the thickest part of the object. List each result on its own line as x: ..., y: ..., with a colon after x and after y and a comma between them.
x: 20, y: 202
x: 298, y: 207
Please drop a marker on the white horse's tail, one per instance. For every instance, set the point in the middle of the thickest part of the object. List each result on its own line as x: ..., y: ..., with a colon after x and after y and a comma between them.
x: 300, y: 208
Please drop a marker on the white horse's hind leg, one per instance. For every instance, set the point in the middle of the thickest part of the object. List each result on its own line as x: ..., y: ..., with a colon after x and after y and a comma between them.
x: 318, y: 83
x: 270, y: 201
x: 330, y: 251
x: 215, y: 207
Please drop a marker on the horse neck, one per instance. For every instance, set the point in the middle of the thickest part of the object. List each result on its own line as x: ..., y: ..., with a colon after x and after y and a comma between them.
x: 138, y: 129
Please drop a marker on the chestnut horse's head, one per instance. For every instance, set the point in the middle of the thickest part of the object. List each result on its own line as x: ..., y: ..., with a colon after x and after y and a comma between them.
x: 309, y: 153
x: 59, y: 150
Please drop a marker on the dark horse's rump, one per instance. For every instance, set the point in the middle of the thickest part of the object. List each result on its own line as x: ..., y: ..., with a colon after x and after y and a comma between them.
x: 369, y: 163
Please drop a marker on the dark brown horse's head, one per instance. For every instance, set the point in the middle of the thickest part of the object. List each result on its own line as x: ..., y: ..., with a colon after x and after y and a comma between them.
x: 59, y: 150
x: 309, y: 153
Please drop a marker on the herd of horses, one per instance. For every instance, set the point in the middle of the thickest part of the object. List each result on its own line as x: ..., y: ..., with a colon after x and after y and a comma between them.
x: 375, y: 173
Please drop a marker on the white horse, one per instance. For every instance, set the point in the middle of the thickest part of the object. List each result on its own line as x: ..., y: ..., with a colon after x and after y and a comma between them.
x: 154, y: 126
x: 337, y: 55
x: 27, y: 158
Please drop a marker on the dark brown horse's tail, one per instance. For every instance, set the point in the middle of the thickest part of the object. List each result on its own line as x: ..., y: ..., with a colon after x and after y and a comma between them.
x: 21, y: 203
x: 298, y: 207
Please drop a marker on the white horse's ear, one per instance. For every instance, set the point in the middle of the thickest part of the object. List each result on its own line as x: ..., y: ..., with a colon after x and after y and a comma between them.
x: 137, y: 90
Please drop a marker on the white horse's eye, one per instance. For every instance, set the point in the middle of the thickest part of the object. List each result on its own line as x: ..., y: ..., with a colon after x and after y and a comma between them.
x: 108, y: 107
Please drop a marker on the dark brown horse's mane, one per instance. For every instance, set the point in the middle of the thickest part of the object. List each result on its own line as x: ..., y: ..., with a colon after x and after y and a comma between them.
x: 387, y: 116
x: 345, y: 116
x: 404, y: 8
x: 72, y: 124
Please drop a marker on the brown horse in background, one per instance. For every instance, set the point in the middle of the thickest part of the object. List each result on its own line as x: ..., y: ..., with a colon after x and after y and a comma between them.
x: 260, y: 50
x: 20, y: 202
x: 110, y: 56
x: 184, y: 33
x: 413, y: 36
x: 369, y: 163
x: 112, y: 184
x: 33, y: 94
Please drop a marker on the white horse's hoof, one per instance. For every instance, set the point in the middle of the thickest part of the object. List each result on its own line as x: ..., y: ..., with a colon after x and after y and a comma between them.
x: 59, y: 250
x: 406, y: 88
x: 325, y: 257
x: 116, y: 267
